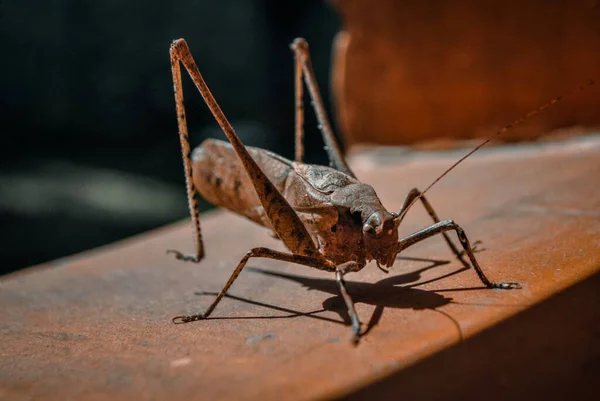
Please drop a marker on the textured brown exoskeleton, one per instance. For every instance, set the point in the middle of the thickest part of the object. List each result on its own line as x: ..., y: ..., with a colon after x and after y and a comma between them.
x: 325, y: 217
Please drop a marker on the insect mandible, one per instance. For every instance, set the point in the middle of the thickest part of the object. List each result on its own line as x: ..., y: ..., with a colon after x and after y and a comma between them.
x: 326, y: 218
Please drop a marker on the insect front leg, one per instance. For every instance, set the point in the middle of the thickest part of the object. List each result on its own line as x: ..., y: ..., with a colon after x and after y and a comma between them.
x: 339, y: 277
x: 411, y: 199
x: 448, y: 225
x: 304, y: 67
x: 317, y: 263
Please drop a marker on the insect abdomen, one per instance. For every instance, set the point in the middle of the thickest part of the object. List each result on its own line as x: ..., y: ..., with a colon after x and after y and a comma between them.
x: 221, y: 179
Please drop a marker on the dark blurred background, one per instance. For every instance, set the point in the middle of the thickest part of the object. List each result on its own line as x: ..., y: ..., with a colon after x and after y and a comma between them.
x: 89, y: 146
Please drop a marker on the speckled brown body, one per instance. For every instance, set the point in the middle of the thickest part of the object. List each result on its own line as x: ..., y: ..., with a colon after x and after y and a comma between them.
x: 332, y: 205
x: 325, y: 217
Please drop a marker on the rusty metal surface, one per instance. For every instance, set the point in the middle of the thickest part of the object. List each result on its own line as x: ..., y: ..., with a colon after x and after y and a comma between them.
x: 97, y: 326
x: 549, y: 352
x: 412, y: 71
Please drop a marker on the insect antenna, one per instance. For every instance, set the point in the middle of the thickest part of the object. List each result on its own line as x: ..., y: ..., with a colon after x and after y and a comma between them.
x: 506, y: 128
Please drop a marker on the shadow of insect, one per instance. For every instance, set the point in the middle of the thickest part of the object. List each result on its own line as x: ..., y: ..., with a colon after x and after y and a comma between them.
x: 393, y: 292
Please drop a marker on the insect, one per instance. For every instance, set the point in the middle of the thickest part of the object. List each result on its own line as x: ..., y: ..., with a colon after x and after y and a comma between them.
x: 325, y: 217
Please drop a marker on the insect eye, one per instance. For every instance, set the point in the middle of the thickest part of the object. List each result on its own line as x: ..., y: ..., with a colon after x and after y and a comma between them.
x: 368, y: 228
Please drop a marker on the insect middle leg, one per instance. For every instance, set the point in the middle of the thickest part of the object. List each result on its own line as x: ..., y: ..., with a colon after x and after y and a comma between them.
x: 449, y: 225
x: 409, y: 201
x: 317, y: 263
x: 291, y: 258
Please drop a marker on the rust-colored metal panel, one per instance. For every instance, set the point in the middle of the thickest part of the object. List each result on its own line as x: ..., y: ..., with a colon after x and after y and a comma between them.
x: 549, y: 352
x: 413, y: 71
x: 97, y: 326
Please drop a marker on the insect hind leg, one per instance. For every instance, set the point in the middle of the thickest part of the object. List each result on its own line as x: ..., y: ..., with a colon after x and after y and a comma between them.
x: 282, y: 216
x: 304, y: 68
x: 192, y: 192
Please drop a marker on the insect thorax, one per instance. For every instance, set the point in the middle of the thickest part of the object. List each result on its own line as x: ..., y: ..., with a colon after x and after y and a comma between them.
x: 333, y: 206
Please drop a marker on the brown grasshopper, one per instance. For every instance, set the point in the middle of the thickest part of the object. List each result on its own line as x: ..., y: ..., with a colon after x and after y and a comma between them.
x: 325, y: 216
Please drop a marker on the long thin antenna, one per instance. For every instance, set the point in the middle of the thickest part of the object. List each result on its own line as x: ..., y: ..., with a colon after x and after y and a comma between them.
x: 506, y: 128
